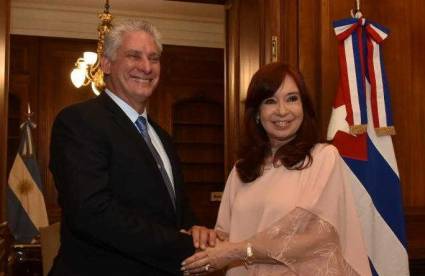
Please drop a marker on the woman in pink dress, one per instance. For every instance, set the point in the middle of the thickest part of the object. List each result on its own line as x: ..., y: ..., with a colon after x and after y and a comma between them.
x: 287, y: 208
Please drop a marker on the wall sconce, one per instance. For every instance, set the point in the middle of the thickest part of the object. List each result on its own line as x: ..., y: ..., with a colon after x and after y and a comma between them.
x: 87, y: 68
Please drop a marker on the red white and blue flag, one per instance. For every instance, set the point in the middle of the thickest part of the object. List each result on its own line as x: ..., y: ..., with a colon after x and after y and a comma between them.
x: 360, y: 127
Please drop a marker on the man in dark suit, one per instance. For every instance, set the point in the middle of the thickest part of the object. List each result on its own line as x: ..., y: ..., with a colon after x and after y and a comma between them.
x: 118, y: 178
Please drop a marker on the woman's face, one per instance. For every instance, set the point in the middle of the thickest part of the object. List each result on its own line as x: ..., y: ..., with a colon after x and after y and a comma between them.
x: 282, y: 114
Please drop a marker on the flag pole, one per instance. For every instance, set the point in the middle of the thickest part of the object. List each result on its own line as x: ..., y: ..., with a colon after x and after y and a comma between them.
x: 356, y: 12
x: 29, y: 113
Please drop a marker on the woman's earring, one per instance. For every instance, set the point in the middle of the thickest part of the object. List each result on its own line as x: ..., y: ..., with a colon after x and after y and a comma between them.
x: 257, y: 119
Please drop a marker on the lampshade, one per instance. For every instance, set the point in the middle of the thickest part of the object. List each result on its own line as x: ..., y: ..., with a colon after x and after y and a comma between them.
x: 90, y: 58
x: 77, y: 77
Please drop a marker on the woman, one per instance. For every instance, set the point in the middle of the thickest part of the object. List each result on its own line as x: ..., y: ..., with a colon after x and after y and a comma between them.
x: 286, y: 208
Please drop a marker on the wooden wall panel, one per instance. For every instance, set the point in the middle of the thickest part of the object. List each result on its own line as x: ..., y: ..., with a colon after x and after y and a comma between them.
x: 309, y: 32
x: 269, y: 9
x: 231, y: 120
x: 250, y: 45
x: 416, y: 194
x: 289, y: 32
x: 245, y: 46
x: 4, y: 58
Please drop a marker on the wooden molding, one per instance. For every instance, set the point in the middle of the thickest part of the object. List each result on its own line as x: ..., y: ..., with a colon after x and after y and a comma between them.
x: 218, y: 2
x: 28, y: 18
x: 4, y: 64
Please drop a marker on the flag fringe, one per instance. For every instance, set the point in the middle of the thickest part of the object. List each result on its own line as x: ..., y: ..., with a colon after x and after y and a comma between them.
x: 385, y: 131
x: 358, y: 129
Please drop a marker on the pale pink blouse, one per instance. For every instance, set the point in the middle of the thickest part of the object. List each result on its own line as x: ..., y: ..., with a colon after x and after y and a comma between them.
x: 305, y: 219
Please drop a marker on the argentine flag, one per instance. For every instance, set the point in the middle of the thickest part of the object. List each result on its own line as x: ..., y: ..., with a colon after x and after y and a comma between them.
x: 369, y: 155
x: 26, y: 209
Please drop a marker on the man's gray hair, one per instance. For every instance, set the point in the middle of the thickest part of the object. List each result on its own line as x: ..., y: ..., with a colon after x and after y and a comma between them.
x: 113, y: 38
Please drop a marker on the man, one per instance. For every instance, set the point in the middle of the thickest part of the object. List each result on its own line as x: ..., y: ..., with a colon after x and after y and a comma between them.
x: 118, y: 178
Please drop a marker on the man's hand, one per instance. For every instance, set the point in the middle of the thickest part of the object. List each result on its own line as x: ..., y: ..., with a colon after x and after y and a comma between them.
x: 202, y: 236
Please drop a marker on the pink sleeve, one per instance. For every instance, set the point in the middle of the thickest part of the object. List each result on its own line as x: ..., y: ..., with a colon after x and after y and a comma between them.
x: 303, y: 242
x: 323, y: 233
x: 327, y: 193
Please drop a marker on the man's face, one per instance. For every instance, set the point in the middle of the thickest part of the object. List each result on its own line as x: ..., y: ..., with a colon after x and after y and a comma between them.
x: 134, y: 73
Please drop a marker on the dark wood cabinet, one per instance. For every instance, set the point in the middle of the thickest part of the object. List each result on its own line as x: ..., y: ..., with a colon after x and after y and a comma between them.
x: 198, y: 131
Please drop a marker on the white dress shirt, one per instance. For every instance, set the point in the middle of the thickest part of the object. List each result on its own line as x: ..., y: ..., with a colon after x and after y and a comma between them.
x: 133, y: 115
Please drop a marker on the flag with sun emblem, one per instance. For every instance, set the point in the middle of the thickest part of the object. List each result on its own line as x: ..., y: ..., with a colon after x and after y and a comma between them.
x: 26, y: 209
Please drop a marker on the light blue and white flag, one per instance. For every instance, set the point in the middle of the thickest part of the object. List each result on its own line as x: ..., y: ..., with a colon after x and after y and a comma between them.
x: 26, y: 209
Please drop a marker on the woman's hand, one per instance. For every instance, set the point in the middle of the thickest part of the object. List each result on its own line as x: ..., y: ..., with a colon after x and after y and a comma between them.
x: 213, y: 258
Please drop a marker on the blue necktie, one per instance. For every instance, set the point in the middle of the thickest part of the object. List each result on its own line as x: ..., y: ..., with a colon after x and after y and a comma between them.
x: 141, y: 125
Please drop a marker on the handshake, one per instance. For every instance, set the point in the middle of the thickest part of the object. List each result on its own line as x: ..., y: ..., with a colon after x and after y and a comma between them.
x: 213, y: 251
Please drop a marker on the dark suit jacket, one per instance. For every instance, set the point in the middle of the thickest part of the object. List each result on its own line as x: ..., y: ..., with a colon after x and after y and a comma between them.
x: 117, y: 216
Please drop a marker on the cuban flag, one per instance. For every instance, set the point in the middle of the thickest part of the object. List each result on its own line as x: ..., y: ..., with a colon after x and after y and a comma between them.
x: 26, y: 209
x: 360, y: 127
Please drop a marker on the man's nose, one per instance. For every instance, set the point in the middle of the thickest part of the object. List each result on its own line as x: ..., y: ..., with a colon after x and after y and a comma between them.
x: 144, y: 65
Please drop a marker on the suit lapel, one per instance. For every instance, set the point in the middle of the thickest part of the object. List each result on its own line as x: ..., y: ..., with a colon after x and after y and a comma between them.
x: 128, y: 127
x: 168, y: 147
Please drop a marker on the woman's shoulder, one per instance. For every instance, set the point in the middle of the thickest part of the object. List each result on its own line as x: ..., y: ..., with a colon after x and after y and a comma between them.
x: 233, y: 176
x: 324, y: 151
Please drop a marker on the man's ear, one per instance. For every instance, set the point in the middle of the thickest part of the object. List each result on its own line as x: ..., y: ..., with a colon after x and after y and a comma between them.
x: 105, y: 65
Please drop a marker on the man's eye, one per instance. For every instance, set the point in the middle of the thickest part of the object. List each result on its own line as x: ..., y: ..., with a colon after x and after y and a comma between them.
x: 154, y: 59
x: 134, y: 56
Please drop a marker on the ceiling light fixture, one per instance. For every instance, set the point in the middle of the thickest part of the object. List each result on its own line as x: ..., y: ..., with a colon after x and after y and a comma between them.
x: 87, y: 68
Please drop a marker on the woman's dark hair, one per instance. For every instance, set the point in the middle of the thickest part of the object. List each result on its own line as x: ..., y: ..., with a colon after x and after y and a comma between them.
x: 295, y: 154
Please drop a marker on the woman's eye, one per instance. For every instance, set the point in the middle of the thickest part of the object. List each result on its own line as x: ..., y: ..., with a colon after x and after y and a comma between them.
x: 269, y: 101
x: 293, y: 98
